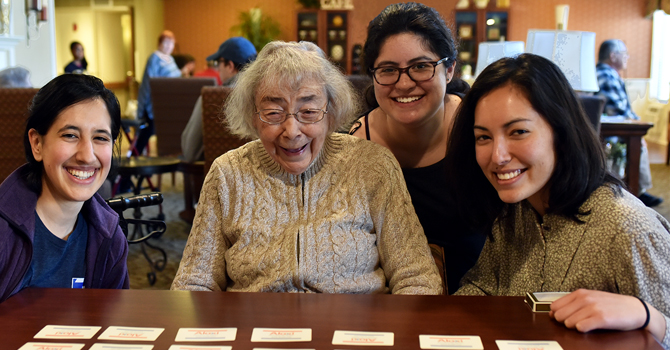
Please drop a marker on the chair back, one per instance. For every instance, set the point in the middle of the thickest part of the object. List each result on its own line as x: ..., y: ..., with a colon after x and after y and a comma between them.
x: 173, y: 100
x: 361, y: 83
x: 594, y: 107
x: 14, y: 105
x: 215, y: 137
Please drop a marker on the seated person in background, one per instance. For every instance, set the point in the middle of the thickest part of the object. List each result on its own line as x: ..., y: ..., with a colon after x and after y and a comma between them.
x: 78, y: 64
x: 55, y: 230
x: 303, y: 209
x: 526, y: 163
x: 211, y: 71
x: 411, y: 53
x: 15, y: 77
x: 612, y: 58
x: 159, y: 65
x: 233, y: 55
x: 185, y: 63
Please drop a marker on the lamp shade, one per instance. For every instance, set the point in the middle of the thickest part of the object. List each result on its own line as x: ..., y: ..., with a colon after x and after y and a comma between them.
x: 490, y: 52
x: 572, y: 51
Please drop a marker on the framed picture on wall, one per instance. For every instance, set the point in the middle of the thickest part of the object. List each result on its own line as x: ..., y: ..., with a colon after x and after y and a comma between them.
x: 465, y: 31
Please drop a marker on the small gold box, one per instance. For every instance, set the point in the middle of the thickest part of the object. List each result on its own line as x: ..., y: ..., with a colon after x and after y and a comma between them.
x: 541, y: 301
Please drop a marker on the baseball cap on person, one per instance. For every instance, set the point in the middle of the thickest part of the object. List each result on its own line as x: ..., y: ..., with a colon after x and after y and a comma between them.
x: 236, y: 49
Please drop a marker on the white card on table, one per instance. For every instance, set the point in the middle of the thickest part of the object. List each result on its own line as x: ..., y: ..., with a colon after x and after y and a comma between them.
x: 281, y: 334
x: 363, y: 338
x: 67, y: 332
x: 532, y: 344
x: 108, y: 346
x: 206, y: 334
x: 51, y: 346
x: 131, y: 333
x: 201, y: 347
x: 450, y: 342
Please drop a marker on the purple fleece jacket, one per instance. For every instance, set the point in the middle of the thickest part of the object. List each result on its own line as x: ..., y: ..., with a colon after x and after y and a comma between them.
x: 106, y: 251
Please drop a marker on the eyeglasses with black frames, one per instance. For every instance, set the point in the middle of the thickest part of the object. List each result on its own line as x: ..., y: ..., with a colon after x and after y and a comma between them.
x: 418, y: 72
x: 305, y: 116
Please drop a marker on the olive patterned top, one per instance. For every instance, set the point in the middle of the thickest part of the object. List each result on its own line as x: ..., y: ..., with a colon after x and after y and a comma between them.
x: 621, y: 247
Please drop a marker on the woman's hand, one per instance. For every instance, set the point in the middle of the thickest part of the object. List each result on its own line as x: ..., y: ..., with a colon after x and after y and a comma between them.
x: 586, y: 310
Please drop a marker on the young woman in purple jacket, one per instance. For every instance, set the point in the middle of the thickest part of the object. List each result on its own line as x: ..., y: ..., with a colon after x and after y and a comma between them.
x: 56, y: 230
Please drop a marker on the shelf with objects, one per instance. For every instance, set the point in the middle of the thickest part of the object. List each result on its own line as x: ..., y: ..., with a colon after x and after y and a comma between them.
x: 475, y: 25
x: 329, y: 29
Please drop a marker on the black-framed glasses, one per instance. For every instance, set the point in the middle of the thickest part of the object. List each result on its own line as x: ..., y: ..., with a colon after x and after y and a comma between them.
x: 305, y: 116
x: 418, y: 72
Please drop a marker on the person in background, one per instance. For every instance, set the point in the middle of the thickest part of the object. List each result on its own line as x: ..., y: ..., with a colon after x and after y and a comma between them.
x: 55, y: 230
x: 78, y: 64
x: 15, y: 77
x: 411, y: 53
x: 159, y: 64
x: 233, y: 55
x: 211, y: 71
x: 303, y: 209
x: 185, y: 63
x: 527, y: 166
x: 613, y: 59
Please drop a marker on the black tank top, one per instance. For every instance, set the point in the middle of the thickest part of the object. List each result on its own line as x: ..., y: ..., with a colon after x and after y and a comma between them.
x: 437, y: 213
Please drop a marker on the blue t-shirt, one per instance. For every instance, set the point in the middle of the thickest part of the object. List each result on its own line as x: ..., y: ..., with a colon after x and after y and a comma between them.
x: 57, y: 263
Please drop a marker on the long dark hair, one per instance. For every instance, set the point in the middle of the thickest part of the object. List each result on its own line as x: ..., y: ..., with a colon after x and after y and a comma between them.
x: 52, y: 99
x: 580, y: 159
x: 413, y: 18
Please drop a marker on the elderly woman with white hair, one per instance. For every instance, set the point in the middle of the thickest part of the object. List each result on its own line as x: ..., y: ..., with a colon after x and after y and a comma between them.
x: 303, y: 209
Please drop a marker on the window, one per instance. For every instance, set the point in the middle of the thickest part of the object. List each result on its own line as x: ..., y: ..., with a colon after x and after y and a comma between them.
x: 660, y: 57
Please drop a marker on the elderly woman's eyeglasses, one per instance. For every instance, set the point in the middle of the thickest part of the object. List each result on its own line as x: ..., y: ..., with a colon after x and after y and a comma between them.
x: 278, y: 116
x: 418, y: 72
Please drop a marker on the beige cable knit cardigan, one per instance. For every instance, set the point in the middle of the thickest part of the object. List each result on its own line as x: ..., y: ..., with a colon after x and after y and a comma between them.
x: 346, y: 225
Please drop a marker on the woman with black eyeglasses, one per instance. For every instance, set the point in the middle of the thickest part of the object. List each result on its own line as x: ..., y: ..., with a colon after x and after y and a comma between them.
x: 303, y: 209
x: 411, y: 54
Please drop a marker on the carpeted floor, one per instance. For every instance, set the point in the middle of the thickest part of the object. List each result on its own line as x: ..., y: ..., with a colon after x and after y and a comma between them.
x: 174, y: 239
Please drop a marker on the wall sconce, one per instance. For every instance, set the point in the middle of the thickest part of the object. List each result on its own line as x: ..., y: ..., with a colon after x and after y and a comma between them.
x: 572, y: 51
x: 562, y: 12
x: 36, y: 12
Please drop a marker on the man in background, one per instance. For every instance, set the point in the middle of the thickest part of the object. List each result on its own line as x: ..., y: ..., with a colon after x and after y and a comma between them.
x: 612, y: 60
x: 233, y: 55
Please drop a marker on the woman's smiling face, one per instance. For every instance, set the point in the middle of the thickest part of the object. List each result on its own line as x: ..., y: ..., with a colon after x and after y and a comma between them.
x: 514, y: 146
x: 292, y: 144
x: 409, y: 102
x: 76, y: 151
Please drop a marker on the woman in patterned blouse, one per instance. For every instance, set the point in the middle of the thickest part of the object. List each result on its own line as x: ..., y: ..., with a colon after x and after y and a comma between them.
x: 537, y: 179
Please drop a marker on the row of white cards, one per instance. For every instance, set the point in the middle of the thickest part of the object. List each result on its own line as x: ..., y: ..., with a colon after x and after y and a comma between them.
x: 275, y: 335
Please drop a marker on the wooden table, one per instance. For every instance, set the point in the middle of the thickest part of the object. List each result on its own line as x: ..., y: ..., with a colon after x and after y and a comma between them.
x: 492, y: 318
x: 631, y: 132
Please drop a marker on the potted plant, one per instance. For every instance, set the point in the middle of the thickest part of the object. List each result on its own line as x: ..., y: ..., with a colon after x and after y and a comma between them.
x: 257, y: 27
x: 616, y: 158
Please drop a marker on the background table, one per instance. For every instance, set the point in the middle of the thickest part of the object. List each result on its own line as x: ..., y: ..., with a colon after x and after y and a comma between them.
x: 492, y: 318
x: 631, y: 132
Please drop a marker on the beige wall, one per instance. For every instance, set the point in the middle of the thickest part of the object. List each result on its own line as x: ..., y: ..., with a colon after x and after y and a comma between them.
x: 201, y: 25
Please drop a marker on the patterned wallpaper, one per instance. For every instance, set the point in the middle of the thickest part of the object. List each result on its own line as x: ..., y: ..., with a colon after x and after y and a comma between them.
x: 202, y: 25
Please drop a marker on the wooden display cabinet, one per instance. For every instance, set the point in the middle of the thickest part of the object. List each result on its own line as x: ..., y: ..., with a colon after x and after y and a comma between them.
x: 330, y: 30
x: 475, y: 25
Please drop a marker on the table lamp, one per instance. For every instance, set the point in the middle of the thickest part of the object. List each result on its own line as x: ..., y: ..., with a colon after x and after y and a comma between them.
x: 572, y: 51
x: 490, y: 52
